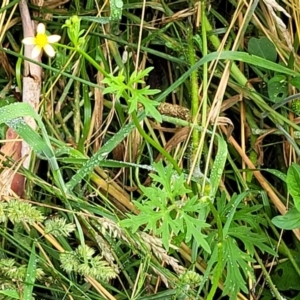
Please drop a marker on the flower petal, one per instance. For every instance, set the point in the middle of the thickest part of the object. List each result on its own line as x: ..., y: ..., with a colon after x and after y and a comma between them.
x: 36, y: 51
x: 40, y: 28
x: 29, y: 41
x: 53, y: 38
x: 49, y: 50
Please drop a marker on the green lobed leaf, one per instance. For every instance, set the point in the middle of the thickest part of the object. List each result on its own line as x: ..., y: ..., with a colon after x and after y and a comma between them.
x: 193, y: 229
x: 251, y: 240
x: 236, y: 263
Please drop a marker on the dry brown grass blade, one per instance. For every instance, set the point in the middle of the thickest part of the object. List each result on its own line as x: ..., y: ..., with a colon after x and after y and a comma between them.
x: 97, y: 117
x: 260, y: 178
x: 110, y: 187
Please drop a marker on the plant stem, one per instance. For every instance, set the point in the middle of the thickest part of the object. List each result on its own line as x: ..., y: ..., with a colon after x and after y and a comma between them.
x: 205, y: 65
x: 194, y: 93
x: 154, y: 144
x: 275, y: 292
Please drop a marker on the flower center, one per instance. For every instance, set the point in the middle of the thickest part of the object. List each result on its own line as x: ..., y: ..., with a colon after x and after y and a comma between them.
x: 41, y: 40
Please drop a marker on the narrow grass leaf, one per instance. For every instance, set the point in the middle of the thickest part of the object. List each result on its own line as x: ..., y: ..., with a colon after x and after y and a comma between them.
x: 99, y: 156
x: 230, y: 55
x: 236, y: 201
x: 277, y: 173
x: 12, y: 115
x: 10, y: 4
x: 30, y: 275
x: 99, y: 20
x: 10, y: 293
x: 218, y: 167
x: 290, y: 139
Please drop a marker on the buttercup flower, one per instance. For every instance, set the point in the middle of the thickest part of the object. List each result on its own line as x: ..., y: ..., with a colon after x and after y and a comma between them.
x: 42, y: 42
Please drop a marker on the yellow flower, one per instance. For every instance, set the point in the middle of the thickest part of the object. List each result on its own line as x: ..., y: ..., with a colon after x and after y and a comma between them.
x: 42, y: 42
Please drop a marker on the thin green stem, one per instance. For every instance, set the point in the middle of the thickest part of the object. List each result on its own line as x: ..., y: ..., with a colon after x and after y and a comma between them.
x: 194, y: 93
x: 205, y: 65
x: 134, y: 116
x: 268, y: 278
x: 154, y: 144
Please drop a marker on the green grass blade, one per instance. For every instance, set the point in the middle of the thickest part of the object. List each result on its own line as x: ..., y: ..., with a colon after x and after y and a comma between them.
x: 230, y: 55
x: 10, y: 293
x: 99, y: 156
x: 12, y: 115
x: 30, y: 275
x: 218, y: 167
x: 236, y: 200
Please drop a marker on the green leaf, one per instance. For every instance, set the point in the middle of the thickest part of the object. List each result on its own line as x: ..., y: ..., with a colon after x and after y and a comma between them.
x: 277, y: 88
x: 285, y: 277
x: 166, y: 232
x: 30, y: 274
x: 10, y: 293
x: 99, y: 156
x: 116, y: 7
x: 13, y: 115
x: 194, y: 205
x: 100, y: 20
x: 150, y: 109
x: 250, y: 216
x: 235, y: 201
x: 163, y: 176
x: 218, y: 167
x: 251, y: 239
x: 173, y: 184
x: 295, y: 81
x: 262, y: 47
x: 293, y: 179
x: 277, y: 173
x: 289, y: 221
x: 134, y: 222
x: 193, y: 229
x: 133, y: 104
x: 236, y: 262
x: 230, y: 55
